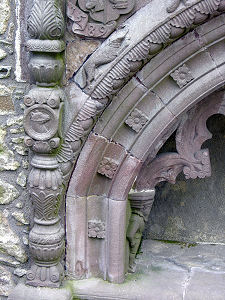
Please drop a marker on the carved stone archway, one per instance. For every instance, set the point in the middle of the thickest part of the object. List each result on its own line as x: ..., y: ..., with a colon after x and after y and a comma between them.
x: 134, y: 126
x: 138, y: 115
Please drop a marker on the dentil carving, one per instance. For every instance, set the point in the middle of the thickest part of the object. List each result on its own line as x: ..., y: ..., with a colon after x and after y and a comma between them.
x: 102, y: 14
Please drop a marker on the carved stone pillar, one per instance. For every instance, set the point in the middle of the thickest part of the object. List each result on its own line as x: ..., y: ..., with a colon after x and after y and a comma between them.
x: 44, y: 104
x: 141, y: 203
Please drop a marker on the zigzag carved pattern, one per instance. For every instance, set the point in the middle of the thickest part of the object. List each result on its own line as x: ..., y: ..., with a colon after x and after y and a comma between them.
x: 46, y: 206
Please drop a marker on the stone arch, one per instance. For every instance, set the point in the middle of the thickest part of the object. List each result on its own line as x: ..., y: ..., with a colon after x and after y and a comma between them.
x: 169, y: 85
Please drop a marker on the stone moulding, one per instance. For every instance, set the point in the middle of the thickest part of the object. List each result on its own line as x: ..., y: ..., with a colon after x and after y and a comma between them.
x: 120, y: 57
x: 163, y: 102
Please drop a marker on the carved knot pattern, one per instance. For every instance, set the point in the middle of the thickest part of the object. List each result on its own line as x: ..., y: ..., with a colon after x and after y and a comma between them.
x: 182, y: 75
x: 136, y: 120
x: 108, y: 167
x: 96, y: 229
x: 101, y: 13
x: 46, y: 20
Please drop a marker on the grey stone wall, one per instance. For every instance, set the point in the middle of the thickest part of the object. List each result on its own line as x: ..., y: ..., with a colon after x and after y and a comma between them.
x: 193, y: 210
x: 14, y: 203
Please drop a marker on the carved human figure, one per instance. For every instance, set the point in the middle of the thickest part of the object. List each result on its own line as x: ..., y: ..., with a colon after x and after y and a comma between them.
x: 141, y: 204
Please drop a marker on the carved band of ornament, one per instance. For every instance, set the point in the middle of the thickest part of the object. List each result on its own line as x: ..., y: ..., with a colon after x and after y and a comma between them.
x: 102, y: 13
x: 46, y: 21
x: 108, y: 167
x: 136, y: 120
x: 150, y: 45
x: 54, y: 46
x: 174, y: 4
x: 190, y: 158
x: 182, y: 76
x: 109, y: 83
x: 96, y: 229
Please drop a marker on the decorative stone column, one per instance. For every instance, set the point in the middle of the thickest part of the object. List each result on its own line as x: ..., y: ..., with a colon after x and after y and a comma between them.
x: 42, y: 118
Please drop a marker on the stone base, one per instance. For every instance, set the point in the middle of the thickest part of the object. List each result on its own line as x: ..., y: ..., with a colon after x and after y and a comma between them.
x: 23, y: 292
x: 165, y: 271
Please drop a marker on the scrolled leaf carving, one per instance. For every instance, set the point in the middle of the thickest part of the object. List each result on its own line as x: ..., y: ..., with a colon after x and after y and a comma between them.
x: 190, y: 158
x: 46, y: 20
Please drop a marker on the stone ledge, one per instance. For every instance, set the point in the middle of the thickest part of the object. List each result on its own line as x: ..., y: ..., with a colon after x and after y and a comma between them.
x: 23, y: 292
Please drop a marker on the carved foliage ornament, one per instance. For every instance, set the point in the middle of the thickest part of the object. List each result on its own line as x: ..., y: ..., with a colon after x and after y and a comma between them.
x: 190, y: 158
x: 97, y: 18
x: 96, y: 229
x: 46, y: 21
x: 101, y: 86
x: 108, y: 167
x: 42, y: 124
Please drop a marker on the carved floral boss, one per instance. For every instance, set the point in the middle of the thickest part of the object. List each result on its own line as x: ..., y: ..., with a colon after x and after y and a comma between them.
x: 97, y: 18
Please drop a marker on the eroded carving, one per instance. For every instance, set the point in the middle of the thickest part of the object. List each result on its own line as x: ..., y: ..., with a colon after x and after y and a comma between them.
x: 108, y: 54
x: 182, y: 75
x: 108, y: 167
x: 141, y: 203
x: 102, y: 87
x: 102, y: 16
x: 174, y: 4
x: 96, y: 229
x: 136, y: 120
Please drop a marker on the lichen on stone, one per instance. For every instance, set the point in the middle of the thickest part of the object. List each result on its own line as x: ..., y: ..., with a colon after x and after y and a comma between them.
x: 19, y: 216
x: 3, y: 54
x: 7, y: 161
x: 9, y: 242
x: 4, y: 15
x: 22, y: 179
x: 6, y: 282
x: 7, y: 192
x: 18, y: 120
x: 6, y: 103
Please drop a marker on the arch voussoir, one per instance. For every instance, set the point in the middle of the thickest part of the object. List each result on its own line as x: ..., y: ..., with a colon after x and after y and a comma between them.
x: 133, y: 127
